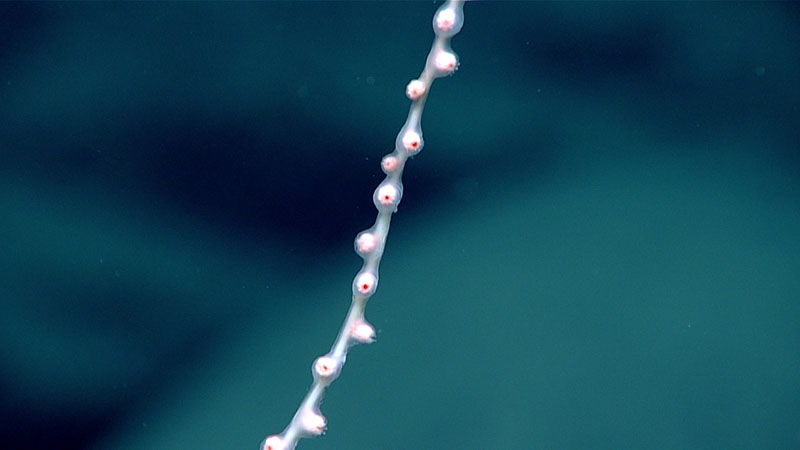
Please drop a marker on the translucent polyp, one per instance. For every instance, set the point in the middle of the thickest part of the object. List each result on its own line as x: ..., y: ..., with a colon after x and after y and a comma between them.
x: 387, y: 195
x: 365, y: 283
x: 448, y: 20
x: 367, y: 243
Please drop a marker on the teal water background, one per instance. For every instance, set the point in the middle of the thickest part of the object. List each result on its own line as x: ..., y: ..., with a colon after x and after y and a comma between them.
x: 598, y: 248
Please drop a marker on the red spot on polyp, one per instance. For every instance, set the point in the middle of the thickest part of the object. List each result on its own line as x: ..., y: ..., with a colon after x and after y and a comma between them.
x: 365, y: 287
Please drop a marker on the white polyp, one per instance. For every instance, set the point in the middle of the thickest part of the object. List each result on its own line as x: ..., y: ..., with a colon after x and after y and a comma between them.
x: 389, y: 164
x: 366, y: 243
x: 387, y: 195
x: 273, y: 442
x: 448, y: 21
x: 445, y: 62
x: 415, y: 89
x: 326, y: 367
x: 313, y: 423
x: 445, y: 19
x: 363, y: 332
x: 412, y: 142
x: 365, y: 283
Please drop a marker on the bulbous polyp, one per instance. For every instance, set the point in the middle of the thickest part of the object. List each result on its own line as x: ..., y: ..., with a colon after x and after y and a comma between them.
x: 387, y: 196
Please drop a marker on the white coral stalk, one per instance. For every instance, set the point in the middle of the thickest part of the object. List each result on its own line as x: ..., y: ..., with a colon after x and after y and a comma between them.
x: 441, y: 61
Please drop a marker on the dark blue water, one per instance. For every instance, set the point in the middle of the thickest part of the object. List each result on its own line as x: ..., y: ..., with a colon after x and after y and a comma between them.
x: 597, y: 248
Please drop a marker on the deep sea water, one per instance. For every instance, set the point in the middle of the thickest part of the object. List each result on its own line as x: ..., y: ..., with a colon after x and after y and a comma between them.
x: 598, y: 247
